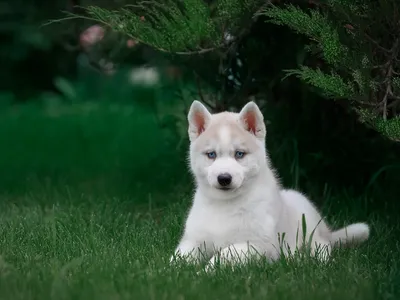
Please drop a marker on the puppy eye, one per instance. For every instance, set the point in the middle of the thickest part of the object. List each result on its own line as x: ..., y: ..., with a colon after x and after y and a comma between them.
x: 211, y: 155
x: 239, y: 154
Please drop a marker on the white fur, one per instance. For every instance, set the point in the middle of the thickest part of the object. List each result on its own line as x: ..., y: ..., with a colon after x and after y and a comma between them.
x: 252, y: 216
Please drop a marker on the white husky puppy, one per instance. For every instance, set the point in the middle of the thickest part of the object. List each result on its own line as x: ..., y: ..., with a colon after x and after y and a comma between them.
x: 239, y: 207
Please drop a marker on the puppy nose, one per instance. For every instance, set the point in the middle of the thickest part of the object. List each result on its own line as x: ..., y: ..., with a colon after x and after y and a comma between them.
x: 224, y: 179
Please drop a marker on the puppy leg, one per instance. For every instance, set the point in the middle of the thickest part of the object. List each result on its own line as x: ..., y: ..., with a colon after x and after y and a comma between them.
x: 235, y: 254
x: 190, y: 251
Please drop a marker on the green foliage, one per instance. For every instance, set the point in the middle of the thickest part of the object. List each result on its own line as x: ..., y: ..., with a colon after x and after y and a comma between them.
x: 179, y: 27
x: 75, y: 143
x: 332, y: 85
x: 30, y: 55
x: 234, y: 12
x: 95, y: 130
x: 167, y: 29
x: 389, y: 128
x: 359, y: 45
x: 351, y: 58
x: 316, y: 26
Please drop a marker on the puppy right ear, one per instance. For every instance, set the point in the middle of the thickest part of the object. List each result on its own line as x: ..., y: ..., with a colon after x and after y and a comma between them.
x: 252, y: 120
x: 199, y: 119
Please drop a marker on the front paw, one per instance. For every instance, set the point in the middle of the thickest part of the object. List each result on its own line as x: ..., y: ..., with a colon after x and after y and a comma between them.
x: 214, y: 262
x: 187, y: 257
x: 226, y: 257
x: 179, y: 258
x: 233, y: 256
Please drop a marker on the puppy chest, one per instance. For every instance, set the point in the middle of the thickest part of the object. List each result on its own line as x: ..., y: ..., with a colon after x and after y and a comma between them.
x: 221, y: 229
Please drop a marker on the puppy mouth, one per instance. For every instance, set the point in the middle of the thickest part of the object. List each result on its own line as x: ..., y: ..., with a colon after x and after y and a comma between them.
x: 224, y: 188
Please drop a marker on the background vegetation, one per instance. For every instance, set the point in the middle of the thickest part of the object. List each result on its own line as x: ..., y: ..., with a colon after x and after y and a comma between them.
x: 94, y: 185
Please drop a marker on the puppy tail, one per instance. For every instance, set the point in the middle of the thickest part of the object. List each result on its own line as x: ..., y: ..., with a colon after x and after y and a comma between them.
x: 350, y: 235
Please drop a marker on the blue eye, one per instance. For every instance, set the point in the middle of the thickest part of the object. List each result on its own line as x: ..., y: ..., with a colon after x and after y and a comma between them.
x: 211, y: 155
x: 239, y: 154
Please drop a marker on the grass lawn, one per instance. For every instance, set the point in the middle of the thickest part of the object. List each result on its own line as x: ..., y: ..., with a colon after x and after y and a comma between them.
x: 105, y: 248
x: 63, y: 236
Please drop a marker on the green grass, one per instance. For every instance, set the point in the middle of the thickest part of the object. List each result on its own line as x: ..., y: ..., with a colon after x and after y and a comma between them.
x: 91, y: 146
x: 104, y: 248
x: 84, y: 215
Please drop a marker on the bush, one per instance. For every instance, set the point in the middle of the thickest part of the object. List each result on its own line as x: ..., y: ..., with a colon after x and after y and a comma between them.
x: 359, y: 45
x: 351, y: 59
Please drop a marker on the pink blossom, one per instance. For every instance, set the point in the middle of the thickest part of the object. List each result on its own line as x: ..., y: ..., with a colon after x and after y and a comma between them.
x: 131, y: 43
x: 91, y: 36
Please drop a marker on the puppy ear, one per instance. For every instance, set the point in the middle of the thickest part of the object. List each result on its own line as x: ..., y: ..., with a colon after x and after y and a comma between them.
x: 252, y: 120
x: 199, y: 119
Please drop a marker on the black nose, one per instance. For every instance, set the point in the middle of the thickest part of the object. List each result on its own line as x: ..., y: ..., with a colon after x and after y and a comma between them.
x: 224, y: 179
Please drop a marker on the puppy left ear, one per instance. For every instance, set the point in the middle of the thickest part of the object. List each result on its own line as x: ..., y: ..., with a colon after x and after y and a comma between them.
x: 199, y: 118
x: 252, y: 120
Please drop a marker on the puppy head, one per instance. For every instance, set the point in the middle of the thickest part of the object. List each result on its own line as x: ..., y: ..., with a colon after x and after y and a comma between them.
x: 227, y: 149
